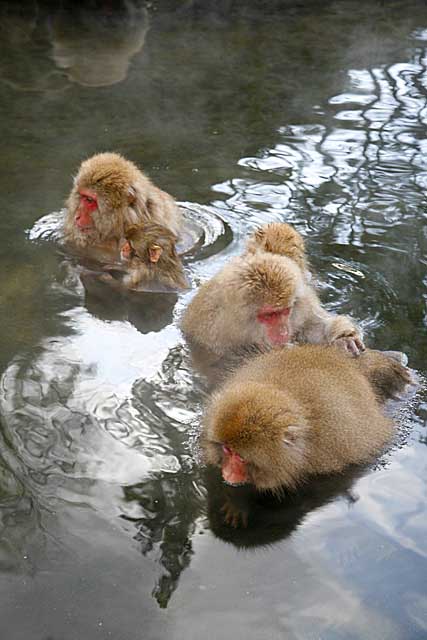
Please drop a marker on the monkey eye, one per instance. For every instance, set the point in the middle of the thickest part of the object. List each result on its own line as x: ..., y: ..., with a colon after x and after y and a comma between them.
x: 229, y: 452
x: 87, y: 198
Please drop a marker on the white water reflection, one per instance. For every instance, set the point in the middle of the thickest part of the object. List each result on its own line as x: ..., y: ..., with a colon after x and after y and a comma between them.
x: 60, y: 408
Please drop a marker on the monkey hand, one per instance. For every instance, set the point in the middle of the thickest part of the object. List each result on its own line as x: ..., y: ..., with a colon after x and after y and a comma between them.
x: 343, y: 333
x: 351, y: 343
x: 234, y: 516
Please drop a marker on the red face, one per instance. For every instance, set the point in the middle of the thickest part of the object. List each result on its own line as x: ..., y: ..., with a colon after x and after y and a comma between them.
x: 126, y: 251
x: 275, y: 321
x: 87, y: 205
x: 234, y: 469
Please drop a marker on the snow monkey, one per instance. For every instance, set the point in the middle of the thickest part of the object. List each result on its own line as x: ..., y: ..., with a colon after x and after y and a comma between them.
x: 297, y: 412
x: 263, y: 298
x: 109, y: 195
x: 149, y: 254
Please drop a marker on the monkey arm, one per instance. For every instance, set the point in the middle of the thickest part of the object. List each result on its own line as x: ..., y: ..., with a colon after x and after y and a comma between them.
x: 321, y: 327
x: 388, y: 376
x: 342, y: 331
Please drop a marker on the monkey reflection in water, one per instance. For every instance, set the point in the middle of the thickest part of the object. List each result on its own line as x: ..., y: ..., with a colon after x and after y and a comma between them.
x: 248, y: 518
x: 95, y: 41
x: 299, y: 412
x: 150, y: 266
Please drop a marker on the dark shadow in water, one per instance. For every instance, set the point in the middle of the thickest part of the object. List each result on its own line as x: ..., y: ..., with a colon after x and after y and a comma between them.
x: 147, y: 311
x: 248, y: 519
x: 171, y: 506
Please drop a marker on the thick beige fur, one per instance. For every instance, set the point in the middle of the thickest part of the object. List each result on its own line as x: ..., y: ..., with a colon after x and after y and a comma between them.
x: 126, y: 197
x: 298, y: 411
x: 168, y: 272
x: 280, y: 238
x: 222, y: 315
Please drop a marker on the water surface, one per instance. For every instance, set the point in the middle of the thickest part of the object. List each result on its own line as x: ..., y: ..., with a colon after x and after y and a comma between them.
x: 309, y: 112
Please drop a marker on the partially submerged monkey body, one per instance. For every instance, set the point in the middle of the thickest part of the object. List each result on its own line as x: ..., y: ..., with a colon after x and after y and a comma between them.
x: 265, y: 297
x: 151, y: 259
x: 299, y: 411
x: 110, y: 194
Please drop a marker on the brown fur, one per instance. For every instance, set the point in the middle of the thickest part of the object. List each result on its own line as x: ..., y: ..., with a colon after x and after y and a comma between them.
x: 300, y: 411
x: 125, y: 197
x: 222, y: 315
x: 387, y: 376
x: 282, y: 239
x: 168, y: 272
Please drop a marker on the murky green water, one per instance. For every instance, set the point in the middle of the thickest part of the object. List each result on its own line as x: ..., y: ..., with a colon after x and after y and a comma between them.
x: 310, y: 112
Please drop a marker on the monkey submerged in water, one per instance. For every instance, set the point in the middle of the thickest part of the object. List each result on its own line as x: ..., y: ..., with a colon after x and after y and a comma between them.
x: 264, y: 298
x: 110, y: 194
x: 151, y: 259
x: 149, y: 262
x: 296, y: 412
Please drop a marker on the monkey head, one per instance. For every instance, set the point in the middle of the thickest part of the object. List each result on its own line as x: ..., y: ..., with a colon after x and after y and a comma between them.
x: 256, y: 434
x: 100, y: 205
x: 149, y: 244
x: 279, y: 238
x: 270, y: 286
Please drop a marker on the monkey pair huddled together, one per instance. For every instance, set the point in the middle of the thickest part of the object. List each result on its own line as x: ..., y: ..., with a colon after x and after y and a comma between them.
x: 290, y: 413
x: 115, y: 214
x: 280, y: 416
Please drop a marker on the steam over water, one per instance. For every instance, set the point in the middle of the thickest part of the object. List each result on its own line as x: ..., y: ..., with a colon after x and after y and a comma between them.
x: 314, y: 113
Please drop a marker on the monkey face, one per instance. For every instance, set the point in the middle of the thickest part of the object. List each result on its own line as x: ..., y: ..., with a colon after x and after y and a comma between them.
x: 271, y: 287
x: 255, y: 435
x: 92, y: 218
x: 142, y: 252
x: 275, y: 323
x: 87, y: 204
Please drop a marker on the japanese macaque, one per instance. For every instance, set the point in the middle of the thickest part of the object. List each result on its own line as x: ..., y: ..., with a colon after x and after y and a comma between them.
x: 263, y: 299
x: 299, y: 411
x: 151, y: 259
x: 110, y: 194
x: 282, y: 239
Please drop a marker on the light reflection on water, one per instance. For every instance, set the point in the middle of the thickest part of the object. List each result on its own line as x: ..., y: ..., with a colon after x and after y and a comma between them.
x: 104, y: 506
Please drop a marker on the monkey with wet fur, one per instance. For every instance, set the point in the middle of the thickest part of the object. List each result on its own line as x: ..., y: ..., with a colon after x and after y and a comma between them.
x: 109, y: 195
x: 282, y: 239
x: 295, y: 412
x: 149, y: 262
x: 151, y: 259
x: 265, y: 299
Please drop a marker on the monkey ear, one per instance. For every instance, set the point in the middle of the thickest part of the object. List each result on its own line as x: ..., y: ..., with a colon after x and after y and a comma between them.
x: 131, y: 195
x: 155, y: 251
